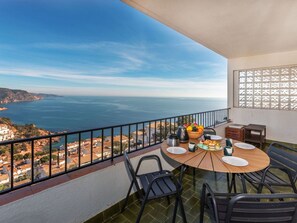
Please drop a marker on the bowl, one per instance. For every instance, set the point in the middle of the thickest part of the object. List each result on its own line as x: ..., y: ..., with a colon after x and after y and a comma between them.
x: 194, y: 135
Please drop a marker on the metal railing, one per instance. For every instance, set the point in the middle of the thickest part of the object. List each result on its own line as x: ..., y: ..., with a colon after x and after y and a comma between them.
x: 31, y: 160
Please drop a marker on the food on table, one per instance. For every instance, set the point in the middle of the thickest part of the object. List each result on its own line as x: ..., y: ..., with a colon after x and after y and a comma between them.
x: 209, y: 144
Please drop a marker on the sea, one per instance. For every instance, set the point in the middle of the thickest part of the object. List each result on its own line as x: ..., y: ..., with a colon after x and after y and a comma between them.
x: 73, y: 113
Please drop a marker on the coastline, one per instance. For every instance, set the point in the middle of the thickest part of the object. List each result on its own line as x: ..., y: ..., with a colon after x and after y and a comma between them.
x: 3, y: 108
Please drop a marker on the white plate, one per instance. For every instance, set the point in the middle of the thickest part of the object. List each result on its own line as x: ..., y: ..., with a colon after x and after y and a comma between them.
x: 176, y: 150
x: 242, y: 145
x: 215, y: 137
x: 235, y: 161
x: 211, y: 149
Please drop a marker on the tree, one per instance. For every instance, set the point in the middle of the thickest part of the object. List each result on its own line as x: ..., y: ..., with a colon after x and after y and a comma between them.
x: 44, y: 159
x: 40, y: 153
x: 26, y: 156
x: 3, y: 151
x: 18, y: 157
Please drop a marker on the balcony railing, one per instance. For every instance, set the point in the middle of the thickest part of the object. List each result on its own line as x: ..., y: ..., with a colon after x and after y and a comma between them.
x: 27, y: 161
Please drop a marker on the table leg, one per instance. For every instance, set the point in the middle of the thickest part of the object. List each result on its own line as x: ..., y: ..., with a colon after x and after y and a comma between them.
x: 242, y: 182
x: 181, y: 173
x: 231, y: 184
x: 229, y: 188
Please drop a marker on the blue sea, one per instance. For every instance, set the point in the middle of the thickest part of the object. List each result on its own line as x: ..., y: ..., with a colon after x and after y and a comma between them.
x: 71, y: 113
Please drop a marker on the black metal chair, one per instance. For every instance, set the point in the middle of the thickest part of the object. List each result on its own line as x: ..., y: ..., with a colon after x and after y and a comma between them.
x: 158, y: 184
x: 282, y: 159
x: 209, y: 131
x: 268, y: 208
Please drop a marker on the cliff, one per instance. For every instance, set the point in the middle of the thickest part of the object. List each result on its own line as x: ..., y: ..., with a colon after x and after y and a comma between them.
x: 9, y: 96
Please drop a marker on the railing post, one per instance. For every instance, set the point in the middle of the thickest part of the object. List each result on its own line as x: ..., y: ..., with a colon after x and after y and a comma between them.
x: 92, y: 136
x: 32, y: 161
x: 143, y: 132
x: 11, y: 165
x: 129, y: 139
x: 121, y: 140
x: 50, y: 157
x: 149, y: 129
x: 102, y: 144
x: 66, y: 151
x: 112, y: 152
x: 79, y: 149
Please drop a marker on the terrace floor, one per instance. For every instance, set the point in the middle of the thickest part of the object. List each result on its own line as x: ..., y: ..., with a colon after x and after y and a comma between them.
x: 158, y: 211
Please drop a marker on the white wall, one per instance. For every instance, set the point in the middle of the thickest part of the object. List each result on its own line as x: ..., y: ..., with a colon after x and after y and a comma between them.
x: 281, y: 125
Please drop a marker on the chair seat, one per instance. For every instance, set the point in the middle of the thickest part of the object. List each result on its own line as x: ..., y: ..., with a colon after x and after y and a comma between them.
x: 163, y: 186
x: 270, y: 179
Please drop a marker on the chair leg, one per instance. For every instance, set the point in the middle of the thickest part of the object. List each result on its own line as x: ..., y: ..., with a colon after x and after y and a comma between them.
x: 194, y: 177
x: 168, y: 200
x: 127, y: 197
x: 202, y: 204
x: 182, y: 209
x: 260, y: 188
x: 141, y: 210
x: 175, y: 209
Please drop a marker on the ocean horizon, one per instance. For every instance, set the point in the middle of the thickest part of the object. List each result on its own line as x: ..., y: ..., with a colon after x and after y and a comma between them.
x: 72, y: 113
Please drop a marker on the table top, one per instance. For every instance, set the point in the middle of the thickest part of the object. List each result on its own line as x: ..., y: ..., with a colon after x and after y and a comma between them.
x: 212, y: 160
x: 255, y: 127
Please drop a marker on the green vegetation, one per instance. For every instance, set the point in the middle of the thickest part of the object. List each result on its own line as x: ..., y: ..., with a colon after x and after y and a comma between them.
x: 18, y: 157
x: 5, y: 121
x: 27, y: 156
x: 44, y: 159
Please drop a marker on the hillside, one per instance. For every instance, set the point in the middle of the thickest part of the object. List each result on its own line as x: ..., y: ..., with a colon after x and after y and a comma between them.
x: 24, y: 131
x: 10, y: 95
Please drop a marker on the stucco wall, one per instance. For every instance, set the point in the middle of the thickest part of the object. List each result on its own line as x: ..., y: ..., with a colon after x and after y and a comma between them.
x: 281, y: 125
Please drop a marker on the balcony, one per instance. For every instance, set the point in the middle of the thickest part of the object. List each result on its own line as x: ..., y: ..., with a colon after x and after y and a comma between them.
x: 92, y: 187
x: 80, y: 176
x: 81, y: 165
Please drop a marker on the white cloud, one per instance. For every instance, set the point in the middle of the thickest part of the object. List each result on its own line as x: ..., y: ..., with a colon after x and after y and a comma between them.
x: 115, y: 73
x: 142, y: 85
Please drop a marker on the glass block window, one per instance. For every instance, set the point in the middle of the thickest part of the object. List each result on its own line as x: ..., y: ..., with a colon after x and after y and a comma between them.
x: 267, y: 88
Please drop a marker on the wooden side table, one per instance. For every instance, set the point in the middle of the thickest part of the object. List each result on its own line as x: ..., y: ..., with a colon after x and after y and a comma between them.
x: 255, y: 134
x: 235, y: 133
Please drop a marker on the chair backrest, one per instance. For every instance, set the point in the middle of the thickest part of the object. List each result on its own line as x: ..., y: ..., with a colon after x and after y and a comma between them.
x: 210, y: 131
x: 131, y: 171
x: 278, y: 208
x: 283, y: 156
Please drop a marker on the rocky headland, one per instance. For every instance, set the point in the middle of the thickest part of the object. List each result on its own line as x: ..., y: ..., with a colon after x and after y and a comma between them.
x: 12, y: 96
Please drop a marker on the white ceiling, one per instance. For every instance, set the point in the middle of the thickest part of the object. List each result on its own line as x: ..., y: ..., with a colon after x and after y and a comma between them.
x: 232, y: 28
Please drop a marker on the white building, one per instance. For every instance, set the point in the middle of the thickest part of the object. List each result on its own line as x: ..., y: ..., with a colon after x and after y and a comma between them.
x: 5, y: 133
x: 140, y: 137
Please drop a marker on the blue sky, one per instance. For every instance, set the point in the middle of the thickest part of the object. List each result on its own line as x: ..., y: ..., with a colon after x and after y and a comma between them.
x: 101, y: 47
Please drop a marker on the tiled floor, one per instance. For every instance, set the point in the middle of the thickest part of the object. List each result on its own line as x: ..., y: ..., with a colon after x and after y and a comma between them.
x: 159, y: 211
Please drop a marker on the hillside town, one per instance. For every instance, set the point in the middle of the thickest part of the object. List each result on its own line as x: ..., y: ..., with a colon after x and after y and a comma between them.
x: 54, y: 163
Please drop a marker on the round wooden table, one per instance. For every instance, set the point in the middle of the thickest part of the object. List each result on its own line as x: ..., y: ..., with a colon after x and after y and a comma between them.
x: 212, y: 160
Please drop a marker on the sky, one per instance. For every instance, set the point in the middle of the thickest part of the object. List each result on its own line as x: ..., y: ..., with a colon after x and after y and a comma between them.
x: 101, y: 47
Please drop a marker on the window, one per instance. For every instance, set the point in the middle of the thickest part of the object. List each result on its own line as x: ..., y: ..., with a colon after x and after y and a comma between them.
x: 266, y: 88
